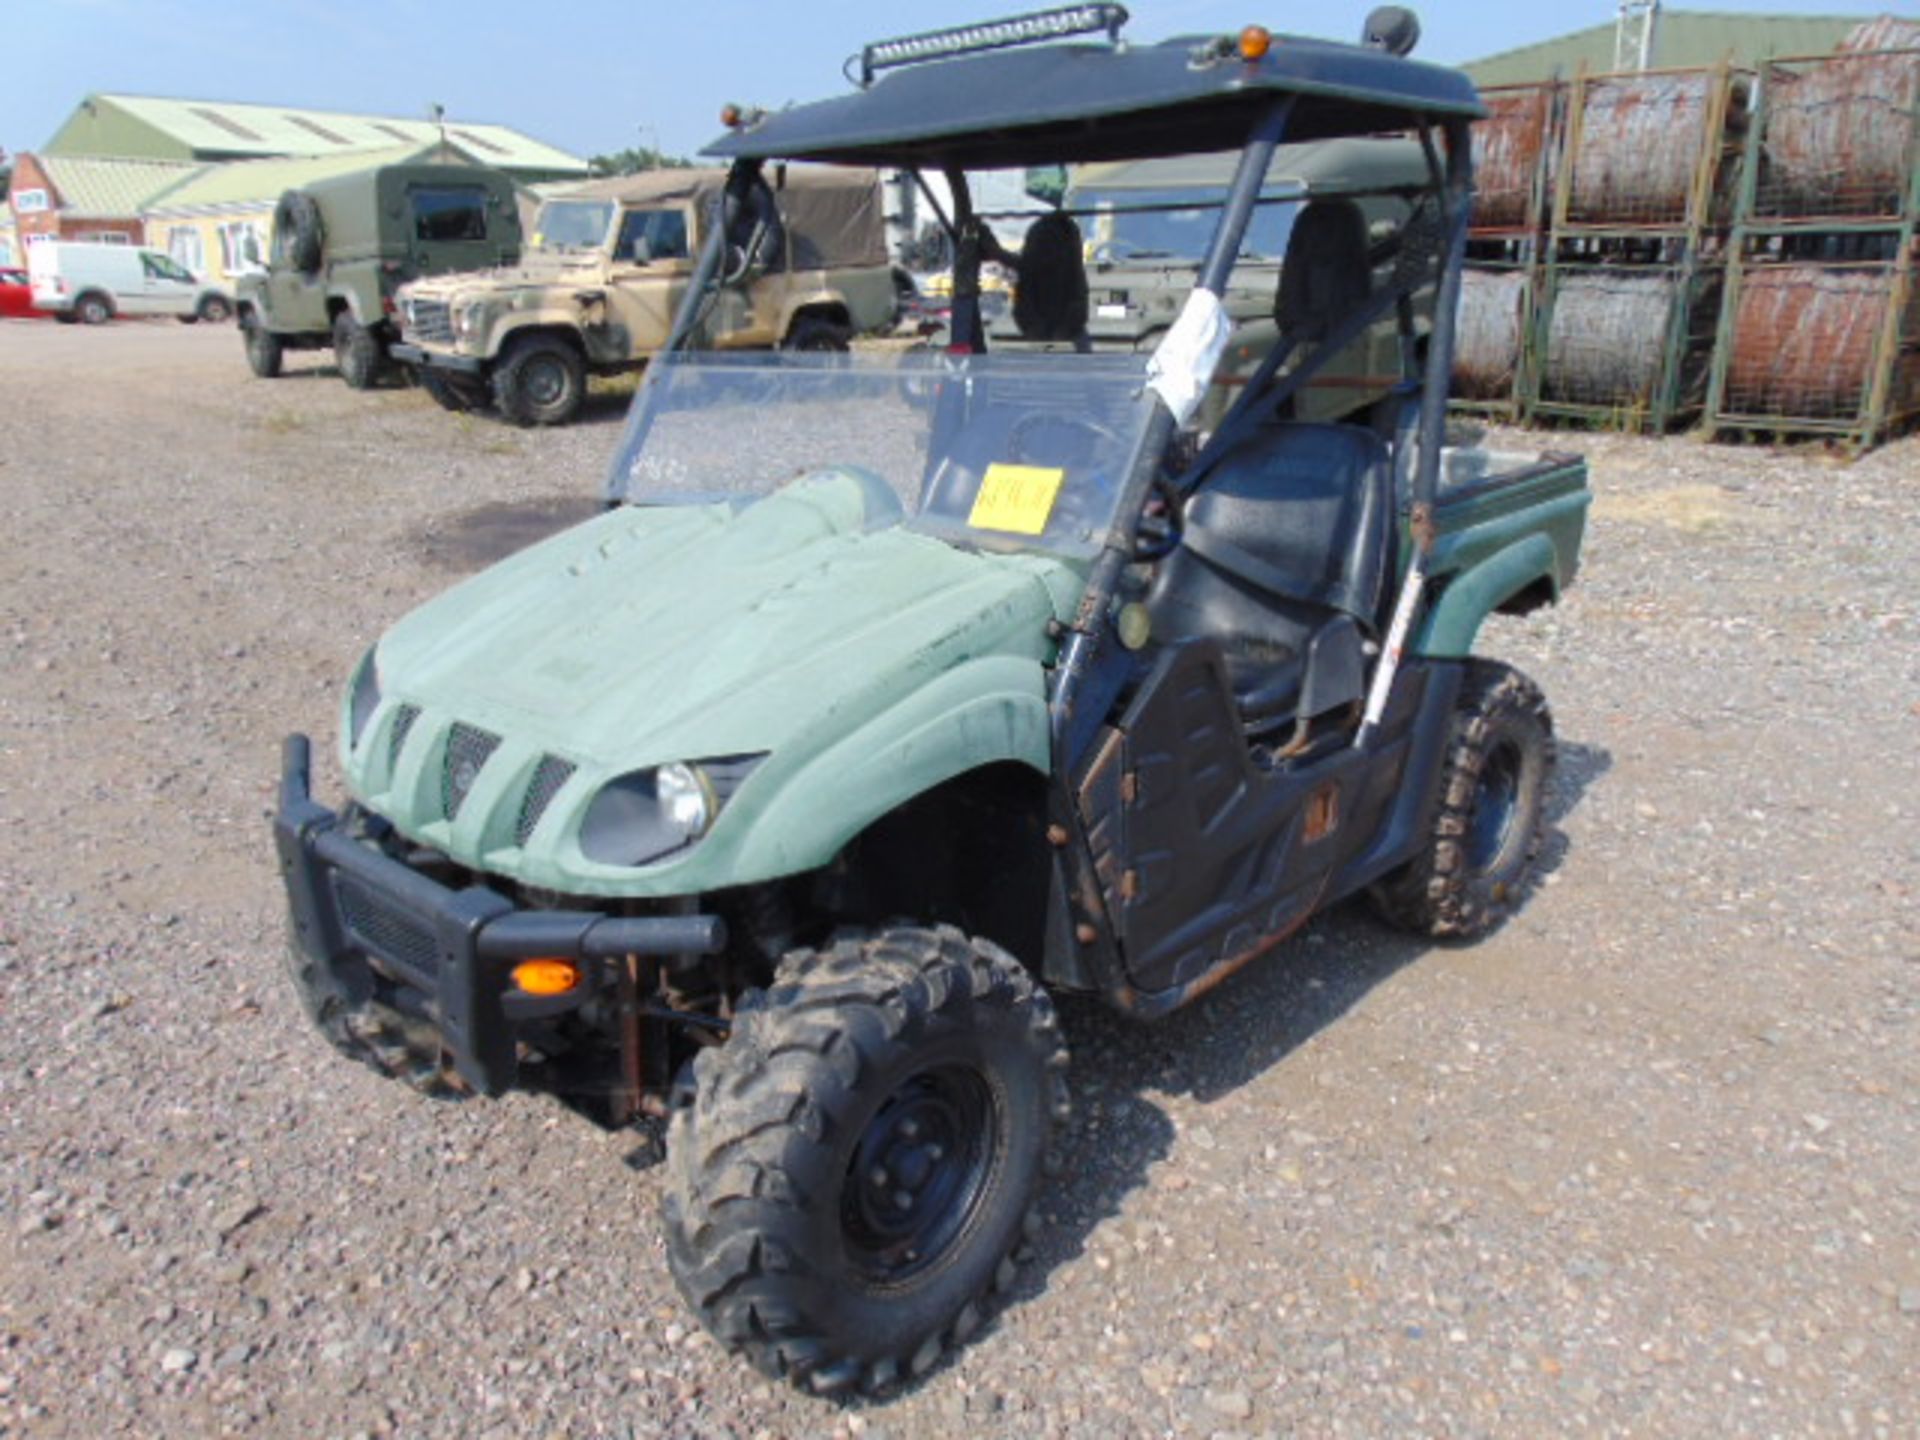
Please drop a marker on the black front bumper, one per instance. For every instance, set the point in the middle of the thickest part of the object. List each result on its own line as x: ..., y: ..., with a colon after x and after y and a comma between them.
x: 363, y: 916
x: 436, y: 360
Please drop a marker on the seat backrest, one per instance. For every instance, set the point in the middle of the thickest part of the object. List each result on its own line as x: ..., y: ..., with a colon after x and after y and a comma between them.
x: 1050, y: 301
x: 1303, y: 511
x: 1324, y: 277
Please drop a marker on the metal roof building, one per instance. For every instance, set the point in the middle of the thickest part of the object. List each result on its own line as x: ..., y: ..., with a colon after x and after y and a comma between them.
x: 1683, y: 37
x: 92, y: 188
x: 148, y: 127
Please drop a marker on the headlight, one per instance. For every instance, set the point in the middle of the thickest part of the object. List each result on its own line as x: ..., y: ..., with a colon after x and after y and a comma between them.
x: 650, y: 814
x: 364, y: 700
x: 467, y: 321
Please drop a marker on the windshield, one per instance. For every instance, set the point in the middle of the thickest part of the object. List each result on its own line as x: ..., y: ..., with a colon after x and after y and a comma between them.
x: 572, y: 224
x: 1130, y: 224
x: 999, y: 452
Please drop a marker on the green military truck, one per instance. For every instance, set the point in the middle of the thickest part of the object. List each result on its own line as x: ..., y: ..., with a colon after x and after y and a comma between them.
x: 343, y: 246
x: 609, y: 265
x: 891, y: 695
x: 1145, y: 225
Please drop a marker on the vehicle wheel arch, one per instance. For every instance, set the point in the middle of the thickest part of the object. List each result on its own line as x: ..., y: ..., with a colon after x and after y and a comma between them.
x: 970, y: 851
x: 518, y: 330
x: 822, y: 305
x: 1511, y: 577
x: 987, y: 712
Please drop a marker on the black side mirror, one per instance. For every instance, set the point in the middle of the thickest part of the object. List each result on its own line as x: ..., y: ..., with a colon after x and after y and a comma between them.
x: 1392, y: 28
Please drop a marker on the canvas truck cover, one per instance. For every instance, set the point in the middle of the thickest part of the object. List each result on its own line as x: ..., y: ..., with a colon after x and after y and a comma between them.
x: 832, y: 214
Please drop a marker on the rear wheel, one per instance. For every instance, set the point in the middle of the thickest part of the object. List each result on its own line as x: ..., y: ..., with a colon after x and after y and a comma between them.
x: 1477, y: 861
x: 357, y: 352
x: 215, y: 310
x: 540, y: 381
x: 262, y: 345
x: 93, y: 309
x: 816, y: 332
x: 858, y: 1161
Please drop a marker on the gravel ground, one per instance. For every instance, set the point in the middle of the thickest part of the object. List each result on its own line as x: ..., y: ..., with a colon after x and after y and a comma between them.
x: 1643, y: 1163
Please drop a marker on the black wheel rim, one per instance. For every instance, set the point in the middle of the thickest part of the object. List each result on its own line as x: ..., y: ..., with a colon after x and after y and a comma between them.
x: 1496, y: 809
x: 546, y: 382
x: 918, y: 1173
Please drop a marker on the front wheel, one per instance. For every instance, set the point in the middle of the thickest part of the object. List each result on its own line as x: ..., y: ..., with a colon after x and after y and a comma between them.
x: 357, y: 352
x: 1477, y: 859
x: 858, y: 1162
x: 542, y: 380
x: 215, y: 310
x: 263, y: 347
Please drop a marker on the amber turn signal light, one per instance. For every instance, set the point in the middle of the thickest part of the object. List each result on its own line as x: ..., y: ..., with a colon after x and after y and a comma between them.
x: 546, y: 977
x: 1255, y: 41
x: 731, y: 116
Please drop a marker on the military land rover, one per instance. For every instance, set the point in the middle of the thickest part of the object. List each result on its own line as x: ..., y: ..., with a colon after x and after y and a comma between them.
x: 343, y: 246
x: 608, y: 267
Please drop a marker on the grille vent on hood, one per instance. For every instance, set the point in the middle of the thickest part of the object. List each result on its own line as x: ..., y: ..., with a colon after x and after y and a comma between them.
x: 468, y: 750
x: 402, y: 723
x: 548, y: 776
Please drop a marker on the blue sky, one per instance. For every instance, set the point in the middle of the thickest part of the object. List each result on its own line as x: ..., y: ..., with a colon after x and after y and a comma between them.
x: 591, y: 76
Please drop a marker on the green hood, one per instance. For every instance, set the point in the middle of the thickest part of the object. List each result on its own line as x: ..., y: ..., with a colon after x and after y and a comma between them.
x: 782, y: 628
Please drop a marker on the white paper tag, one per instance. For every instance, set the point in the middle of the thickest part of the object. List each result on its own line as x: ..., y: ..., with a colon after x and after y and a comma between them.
x: 1183, y: 366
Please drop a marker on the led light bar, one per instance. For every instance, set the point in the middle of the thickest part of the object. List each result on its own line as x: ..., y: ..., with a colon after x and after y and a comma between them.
x: 991, y: 35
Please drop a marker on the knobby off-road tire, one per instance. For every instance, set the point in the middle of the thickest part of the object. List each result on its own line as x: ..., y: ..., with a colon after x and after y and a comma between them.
x: 1476, y: 863
x: 357, y: 352
x: 374, y: 1035
x: 541, y: 380
x: 263, y: 347
x: 858, y: 1163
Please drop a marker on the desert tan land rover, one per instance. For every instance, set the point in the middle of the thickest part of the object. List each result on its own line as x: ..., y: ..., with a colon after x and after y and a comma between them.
x: 597, y: 288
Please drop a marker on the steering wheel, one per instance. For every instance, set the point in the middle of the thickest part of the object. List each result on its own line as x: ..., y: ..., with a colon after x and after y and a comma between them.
x: 1069, y: 442
x: 1041, y: 425
x: 1162, y: 523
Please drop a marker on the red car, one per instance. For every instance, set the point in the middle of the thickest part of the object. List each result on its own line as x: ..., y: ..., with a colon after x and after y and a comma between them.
x: 16, y: 293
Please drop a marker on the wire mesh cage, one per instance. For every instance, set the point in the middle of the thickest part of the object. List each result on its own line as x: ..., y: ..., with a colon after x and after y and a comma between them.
x: 1652, y: 149
x: 1491, y: 352
x: 1838, y: 136
x: 1626, y: 345
x: 1512, y: 156
x: 1819, y: 346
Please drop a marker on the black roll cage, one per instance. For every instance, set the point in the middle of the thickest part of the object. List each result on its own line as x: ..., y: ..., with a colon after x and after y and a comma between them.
x: 1445, y: 141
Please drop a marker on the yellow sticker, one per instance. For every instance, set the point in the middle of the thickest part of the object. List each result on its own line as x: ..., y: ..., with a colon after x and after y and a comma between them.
x: 1016, y: 498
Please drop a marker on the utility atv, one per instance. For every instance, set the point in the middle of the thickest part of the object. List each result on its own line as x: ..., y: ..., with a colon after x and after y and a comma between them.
x: 891, y: 695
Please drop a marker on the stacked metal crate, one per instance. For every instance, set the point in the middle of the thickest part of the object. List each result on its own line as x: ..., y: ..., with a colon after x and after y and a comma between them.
x: 1629, y: 299
x: 1821, y: 330
x: 1513, y: 152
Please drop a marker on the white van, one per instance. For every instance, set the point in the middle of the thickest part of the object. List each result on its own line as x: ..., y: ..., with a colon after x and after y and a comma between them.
x: 92, y: 283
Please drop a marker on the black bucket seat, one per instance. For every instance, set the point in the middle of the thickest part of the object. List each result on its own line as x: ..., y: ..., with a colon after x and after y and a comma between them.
x: 1288, y: 542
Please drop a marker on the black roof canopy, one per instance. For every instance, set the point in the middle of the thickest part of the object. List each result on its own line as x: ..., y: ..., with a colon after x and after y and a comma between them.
x: 1074, y: 103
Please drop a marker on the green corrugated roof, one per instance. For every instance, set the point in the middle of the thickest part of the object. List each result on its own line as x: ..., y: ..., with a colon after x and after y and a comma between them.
x: 221, y: 128
x: 110, y: 189
x: 251, y: 183
x: 1683, y: 37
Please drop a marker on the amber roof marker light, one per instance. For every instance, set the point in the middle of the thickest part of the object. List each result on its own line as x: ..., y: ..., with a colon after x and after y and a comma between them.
x: 1255, y: 41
